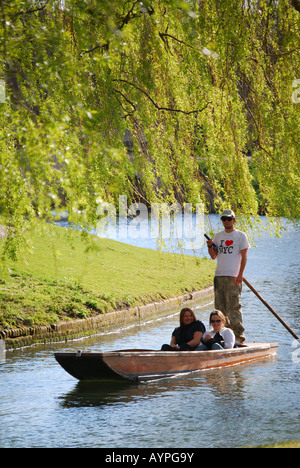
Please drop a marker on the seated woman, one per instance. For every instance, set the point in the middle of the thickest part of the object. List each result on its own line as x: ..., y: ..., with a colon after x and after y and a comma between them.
x: 186, y: 337
x: 220, y: 337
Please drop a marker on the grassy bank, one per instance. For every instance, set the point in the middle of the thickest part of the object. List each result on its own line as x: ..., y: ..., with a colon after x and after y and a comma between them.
x: 63, y: 278
x: 291, y: 444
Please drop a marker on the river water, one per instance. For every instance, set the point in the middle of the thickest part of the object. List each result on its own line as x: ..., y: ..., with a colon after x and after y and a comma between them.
x: 246, y: 405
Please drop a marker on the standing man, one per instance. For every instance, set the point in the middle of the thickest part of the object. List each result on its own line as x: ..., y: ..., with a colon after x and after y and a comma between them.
x: 231, y: 254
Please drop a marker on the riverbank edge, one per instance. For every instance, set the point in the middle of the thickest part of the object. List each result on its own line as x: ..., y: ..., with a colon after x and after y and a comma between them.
x: 83, y: 328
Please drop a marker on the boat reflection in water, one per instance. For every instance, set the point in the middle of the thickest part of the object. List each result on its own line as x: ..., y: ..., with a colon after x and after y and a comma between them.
x: 228, y: 383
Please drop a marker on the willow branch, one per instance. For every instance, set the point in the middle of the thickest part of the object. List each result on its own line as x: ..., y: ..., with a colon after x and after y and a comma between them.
x: 166, y: 35
x: 161, y: 108
x: 127, y: 100
x: 28, y: 12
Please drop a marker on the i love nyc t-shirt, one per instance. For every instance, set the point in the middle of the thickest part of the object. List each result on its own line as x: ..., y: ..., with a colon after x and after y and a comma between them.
x: 229, y: 257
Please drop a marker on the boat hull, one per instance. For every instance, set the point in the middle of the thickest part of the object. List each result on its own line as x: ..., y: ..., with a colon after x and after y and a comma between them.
x: 144, y: 365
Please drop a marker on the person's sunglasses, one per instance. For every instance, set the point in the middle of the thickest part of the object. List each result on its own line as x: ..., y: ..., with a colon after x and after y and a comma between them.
x: 226, y: 218
x: 215, y: 321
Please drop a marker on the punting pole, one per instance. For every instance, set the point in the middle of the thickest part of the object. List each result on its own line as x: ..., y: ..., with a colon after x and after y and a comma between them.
x: 271, y: 309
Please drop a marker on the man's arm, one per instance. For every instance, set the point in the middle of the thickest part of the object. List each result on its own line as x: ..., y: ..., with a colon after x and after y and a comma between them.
x: 239, y: 278
x: 211, y: 250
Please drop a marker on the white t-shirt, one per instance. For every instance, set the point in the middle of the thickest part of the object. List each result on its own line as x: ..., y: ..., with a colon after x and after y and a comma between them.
x: 229, y: 257
x: 227, y: 335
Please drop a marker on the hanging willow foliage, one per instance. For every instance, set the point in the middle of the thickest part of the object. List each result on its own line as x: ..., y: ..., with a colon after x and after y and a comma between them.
x: 160, y: 100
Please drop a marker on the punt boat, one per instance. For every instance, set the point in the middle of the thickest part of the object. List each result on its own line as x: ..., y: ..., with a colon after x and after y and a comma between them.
x: 141, y: 365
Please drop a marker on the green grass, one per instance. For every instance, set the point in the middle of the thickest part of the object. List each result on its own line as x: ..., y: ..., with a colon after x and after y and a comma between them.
x: 63, y: 277
x: 290, y: 444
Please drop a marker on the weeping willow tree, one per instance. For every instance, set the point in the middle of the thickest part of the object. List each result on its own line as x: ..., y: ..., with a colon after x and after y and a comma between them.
x: 202, y: 89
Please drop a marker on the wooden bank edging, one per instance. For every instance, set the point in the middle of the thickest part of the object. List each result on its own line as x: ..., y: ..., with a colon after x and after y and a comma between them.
x: 70, y: 330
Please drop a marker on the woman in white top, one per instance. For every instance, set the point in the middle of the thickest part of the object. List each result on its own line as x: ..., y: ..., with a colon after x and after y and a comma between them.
x: 226, y: 336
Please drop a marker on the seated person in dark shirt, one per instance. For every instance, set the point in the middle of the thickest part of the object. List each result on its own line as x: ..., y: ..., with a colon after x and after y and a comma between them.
x: 186, y: 337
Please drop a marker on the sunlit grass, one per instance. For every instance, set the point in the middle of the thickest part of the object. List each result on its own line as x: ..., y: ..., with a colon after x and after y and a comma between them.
x: 290, y: 444
x: 65, y: 277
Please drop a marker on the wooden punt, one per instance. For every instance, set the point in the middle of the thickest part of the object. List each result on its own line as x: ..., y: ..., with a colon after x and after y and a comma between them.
x: 140, y: 365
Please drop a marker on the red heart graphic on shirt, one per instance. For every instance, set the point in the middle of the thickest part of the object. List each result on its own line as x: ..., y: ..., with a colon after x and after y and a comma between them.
x: 228, y: 243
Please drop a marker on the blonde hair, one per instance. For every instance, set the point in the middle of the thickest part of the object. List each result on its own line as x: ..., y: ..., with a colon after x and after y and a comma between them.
x: 219, y: 314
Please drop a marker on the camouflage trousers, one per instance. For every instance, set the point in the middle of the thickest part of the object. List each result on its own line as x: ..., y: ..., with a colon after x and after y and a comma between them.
x: 228, y: 301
